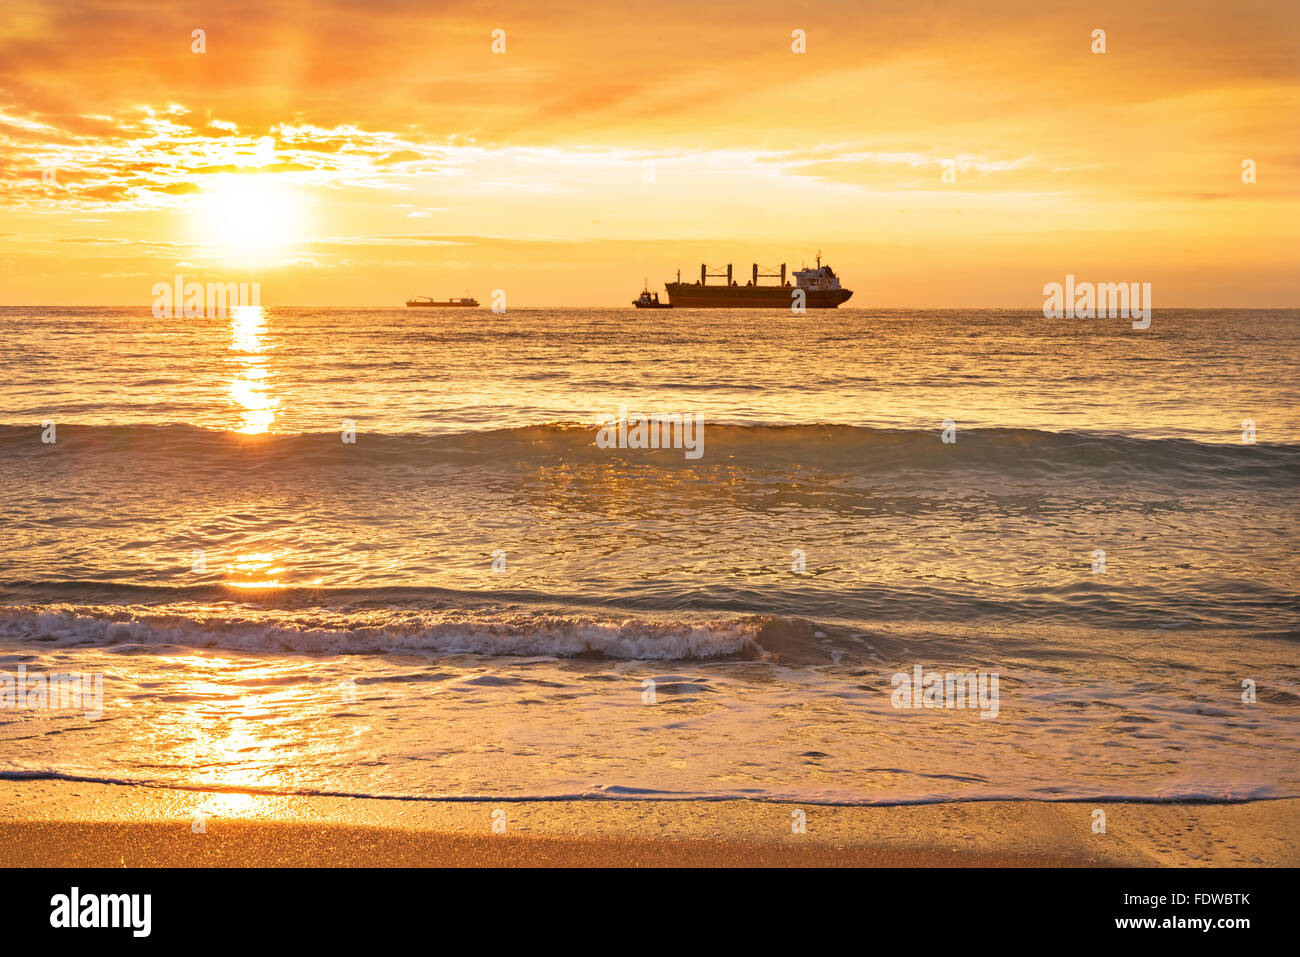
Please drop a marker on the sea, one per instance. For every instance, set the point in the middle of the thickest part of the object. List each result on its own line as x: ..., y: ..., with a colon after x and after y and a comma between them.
x: 396, y: 554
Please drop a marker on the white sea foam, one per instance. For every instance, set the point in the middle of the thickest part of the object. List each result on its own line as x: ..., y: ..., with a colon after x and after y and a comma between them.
x: 389, y: 631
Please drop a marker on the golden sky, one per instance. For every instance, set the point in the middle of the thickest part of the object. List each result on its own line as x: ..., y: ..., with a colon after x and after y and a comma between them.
x: 360, y: 153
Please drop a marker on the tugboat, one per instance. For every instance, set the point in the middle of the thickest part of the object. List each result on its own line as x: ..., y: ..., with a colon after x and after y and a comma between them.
x: 648, y: 299
x: 463, y: 301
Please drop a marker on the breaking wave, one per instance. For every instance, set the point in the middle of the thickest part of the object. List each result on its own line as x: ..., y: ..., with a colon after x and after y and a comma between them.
x: 391, y: 631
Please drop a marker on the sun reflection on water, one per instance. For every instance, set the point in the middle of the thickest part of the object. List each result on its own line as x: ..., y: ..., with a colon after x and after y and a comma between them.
x: 261, y: 569
x: 256, y: 570
x: 239, y: 730
x: 226, y: 805
x: 250, y: 389
x: 230, y: 739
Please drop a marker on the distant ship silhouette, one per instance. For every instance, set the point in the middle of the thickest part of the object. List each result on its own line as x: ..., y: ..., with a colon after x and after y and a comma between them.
x: 463, y: 301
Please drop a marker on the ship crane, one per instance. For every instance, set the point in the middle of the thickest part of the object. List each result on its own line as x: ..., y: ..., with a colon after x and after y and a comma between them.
x: 769, y: 275
x: 705, y: 275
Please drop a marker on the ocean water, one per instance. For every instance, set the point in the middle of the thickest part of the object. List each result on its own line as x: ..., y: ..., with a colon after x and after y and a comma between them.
x: 474, y: 599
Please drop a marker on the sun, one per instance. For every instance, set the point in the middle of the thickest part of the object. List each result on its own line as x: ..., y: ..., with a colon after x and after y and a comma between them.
x: 249, y: 217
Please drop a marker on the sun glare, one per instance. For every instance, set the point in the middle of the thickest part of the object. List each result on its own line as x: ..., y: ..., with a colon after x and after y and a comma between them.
x: 250, y: 217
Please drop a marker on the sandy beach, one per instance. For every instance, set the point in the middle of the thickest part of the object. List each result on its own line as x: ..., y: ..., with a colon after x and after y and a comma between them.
x: 63, y: 824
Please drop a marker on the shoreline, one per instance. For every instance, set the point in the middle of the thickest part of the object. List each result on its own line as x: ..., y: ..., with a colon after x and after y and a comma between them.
x: 68, y: 824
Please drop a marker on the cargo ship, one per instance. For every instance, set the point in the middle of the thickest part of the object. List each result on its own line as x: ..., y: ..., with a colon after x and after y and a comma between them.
x: 821, y: 290
x: 463, y: 301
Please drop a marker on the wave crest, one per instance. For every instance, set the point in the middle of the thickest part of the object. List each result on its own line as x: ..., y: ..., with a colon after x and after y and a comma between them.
x: 390, y: 631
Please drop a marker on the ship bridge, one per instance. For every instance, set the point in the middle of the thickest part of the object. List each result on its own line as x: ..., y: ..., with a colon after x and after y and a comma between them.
x: 821, y: 278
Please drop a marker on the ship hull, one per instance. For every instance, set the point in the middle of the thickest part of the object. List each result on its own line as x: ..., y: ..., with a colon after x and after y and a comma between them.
x: 443, y: 305
x: 683, y: 295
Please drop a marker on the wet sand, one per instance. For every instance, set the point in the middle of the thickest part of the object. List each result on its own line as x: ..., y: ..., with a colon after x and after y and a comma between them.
x: 65, y: 824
